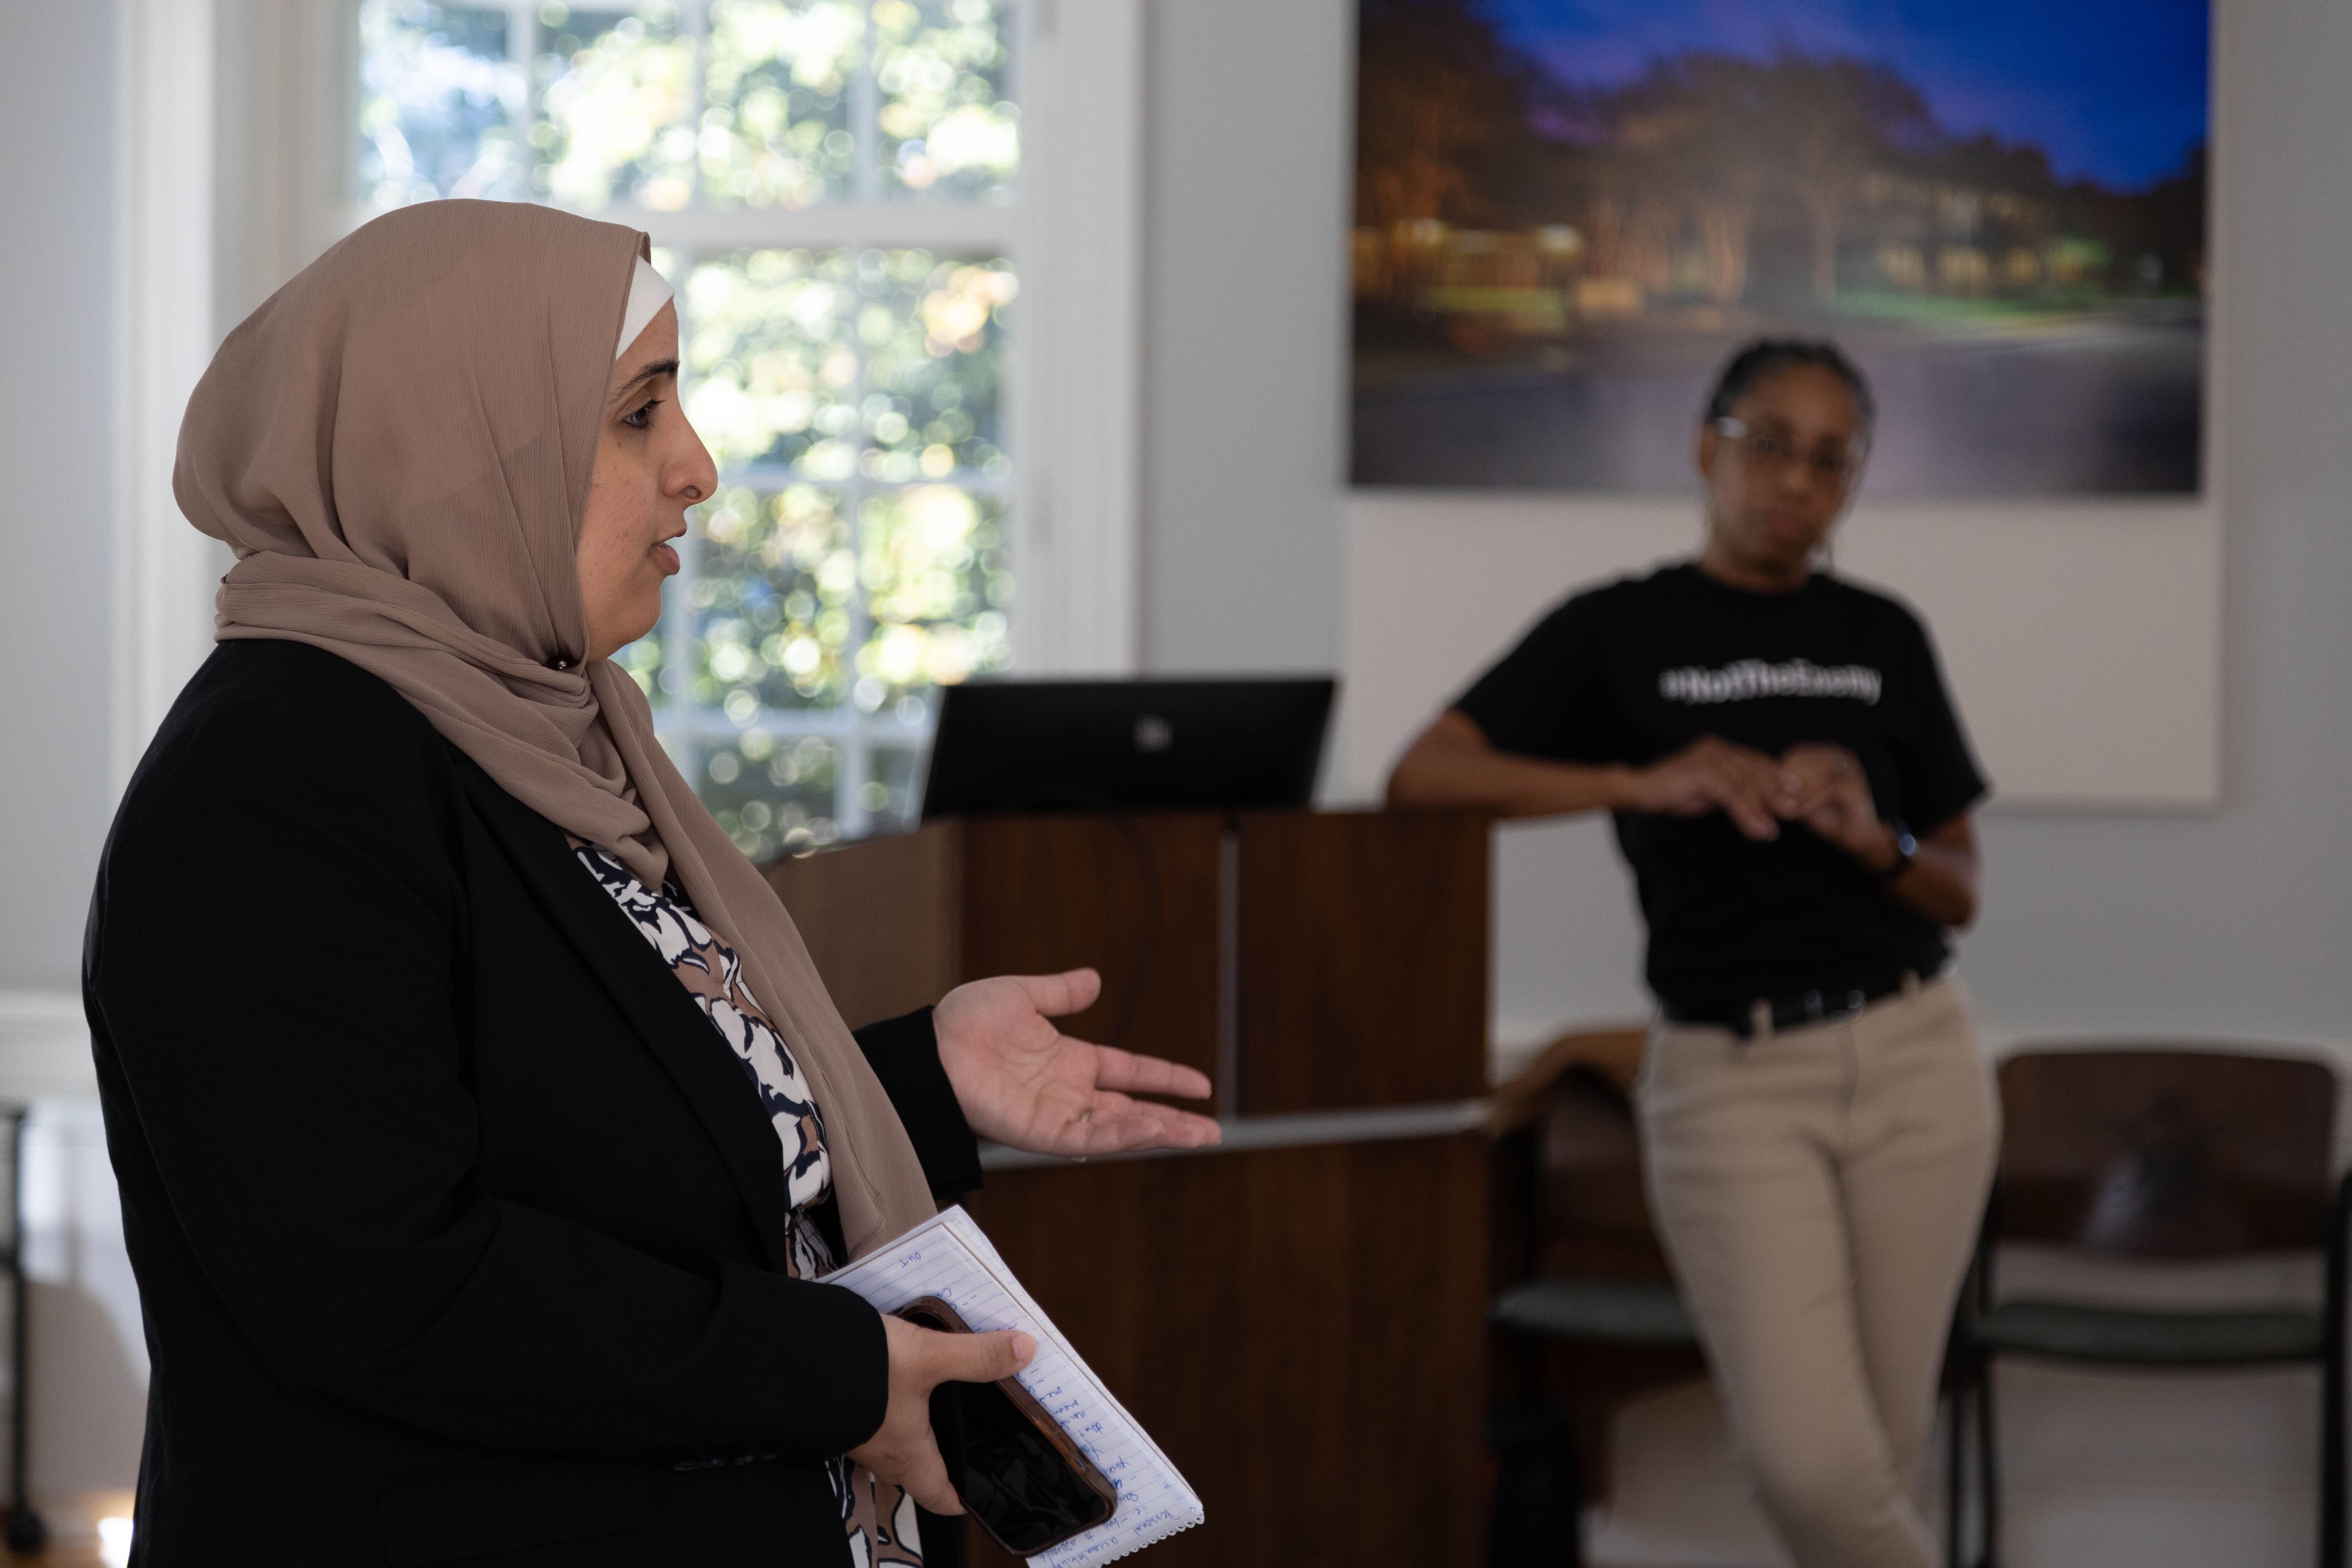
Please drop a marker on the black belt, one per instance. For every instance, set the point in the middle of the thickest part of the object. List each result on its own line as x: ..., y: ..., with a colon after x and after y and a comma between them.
x: 1797, y: 1012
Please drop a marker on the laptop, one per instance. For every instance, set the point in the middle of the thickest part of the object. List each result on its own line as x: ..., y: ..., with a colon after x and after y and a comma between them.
x: 1126, y: 745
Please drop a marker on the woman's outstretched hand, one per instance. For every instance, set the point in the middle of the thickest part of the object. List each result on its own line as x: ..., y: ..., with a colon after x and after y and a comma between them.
x: 1022, y: 1081
x: 904, y: 1450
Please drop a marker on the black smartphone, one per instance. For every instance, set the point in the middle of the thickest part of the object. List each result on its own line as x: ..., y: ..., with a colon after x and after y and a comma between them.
x: 1021, y: 1477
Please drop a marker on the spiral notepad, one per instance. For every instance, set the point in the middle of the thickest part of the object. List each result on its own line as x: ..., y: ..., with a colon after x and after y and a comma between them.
x: 948, y: 1256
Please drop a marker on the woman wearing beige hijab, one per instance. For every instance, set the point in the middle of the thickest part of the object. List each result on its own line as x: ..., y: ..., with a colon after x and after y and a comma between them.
x: 481, y: 1123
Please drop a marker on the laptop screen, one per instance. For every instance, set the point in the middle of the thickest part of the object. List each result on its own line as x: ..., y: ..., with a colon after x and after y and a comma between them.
x: 1127, y: 745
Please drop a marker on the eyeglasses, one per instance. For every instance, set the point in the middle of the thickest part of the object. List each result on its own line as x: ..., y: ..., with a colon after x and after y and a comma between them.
x: 1768, y: 451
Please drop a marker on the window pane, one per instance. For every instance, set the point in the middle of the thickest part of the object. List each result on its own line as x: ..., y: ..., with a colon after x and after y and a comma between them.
x: 888, y: 364
x: 853, y: 397
x: 946, y: 129
x: 933, y: 335
x: 776, y: 96
x: 770, y: 794
x: 932, y: 560
x: 643, y: 661
x: 611, y: 109
x: 440, y: 99
x: 614, y: 98
x: 874, y: 378
x: 773, y: 359
x: 773, y: 601
x: 894, y: 776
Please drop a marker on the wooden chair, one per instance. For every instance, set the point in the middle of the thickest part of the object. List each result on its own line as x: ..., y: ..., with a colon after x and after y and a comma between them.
x: 1586, y: 1313
x: 2161, y: 1155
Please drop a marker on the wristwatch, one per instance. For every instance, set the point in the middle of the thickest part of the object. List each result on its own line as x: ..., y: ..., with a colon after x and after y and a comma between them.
x: 1906, y: 849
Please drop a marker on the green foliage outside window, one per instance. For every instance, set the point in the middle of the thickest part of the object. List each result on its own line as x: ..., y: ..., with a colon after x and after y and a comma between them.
x: 855, y: 556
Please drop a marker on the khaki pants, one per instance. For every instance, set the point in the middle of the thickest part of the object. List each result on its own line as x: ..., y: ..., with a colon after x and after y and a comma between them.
x: 1819, y: 1190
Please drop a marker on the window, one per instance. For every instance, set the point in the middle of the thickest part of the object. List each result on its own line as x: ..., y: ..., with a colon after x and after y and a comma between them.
x: 831, y: 187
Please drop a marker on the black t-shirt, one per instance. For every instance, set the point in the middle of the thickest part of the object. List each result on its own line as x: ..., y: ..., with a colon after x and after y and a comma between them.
x: 1636, y: 670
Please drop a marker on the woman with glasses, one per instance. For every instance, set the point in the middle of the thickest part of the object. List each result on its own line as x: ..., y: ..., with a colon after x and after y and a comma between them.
x: 1791, y: 787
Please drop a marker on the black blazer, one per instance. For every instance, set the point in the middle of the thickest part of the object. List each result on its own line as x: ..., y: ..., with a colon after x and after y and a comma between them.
x: 458, y: 1230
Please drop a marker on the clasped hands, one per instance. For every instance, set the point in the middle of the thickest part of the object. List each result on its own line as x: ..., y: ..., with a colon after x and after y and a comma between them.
x: 1821, y: 785
x: 1021, y: 1081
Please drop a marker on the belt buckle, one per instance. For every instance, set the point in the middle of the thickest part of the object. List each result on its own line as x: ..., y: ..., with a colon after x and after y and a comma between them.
x: 1817, y: 1010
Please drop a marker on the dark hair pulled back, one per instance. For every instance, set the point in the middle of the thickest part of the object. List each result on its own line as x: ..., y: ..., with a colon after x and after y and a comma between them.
x: 1764, y: 356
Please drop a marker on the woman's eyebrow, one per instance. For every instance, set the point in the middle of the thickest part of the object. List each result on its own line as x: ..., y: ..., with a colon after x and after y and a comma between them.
x: 647, y: 373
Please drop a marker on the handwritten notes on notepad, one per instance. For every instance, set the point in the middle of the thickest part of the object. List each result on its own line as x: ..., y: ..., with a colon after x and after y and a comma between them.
x: 948, y: 1256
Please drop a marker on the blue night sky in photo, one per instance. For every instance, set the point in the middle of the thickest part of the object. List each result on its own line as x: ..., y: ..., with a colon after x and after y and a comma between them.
x: 2111, y: 90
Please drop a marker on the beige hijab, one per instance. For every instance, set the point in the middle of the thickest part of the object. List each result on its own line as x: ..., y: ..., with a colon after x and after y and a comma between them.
x: 398, y: 446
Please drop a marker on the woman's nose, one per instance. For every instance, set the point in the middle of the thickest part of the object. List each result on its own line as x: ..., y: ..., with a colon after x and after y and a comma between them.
x: 698, y: 476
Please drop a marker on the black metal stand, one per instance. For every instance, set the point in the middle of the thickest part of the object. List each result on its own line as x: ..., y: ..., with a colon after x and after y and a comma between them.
x: 26, y: 1532
x: 1537, y: 1513
x: 2331, y: 1397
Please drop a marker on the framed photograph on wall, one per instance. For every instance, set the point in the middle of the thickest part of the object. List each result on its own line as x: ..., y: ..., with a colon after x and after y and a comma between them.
x: 1567, y: 213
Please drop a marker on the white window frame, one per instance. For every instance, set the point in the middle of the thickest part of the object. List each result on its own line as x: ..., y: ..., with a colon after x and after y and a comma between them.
x: 232, y: 177
x: 163, y: 337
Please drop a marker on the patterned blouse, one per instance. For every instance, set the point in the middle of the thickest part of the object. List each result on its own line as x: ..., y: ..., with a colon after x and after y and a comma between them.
x: 878, y: 1516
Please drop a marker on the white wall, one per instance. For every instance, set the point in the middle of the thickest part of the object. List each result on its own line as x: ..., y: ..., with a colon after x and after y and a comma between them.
x: 2234, y: 922
x: 56, y: 348
x: 1245, y: 307
x: 57, y: 187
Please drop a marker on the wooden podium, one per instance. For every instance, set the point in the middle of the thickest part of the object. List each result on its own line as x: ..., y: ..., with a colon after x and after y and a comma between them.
x: 1297, y: 1317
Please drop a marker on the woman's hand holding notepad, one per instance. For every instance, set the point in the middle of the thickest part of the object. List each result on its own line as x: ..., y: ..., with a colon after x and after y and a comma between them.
x: 948, y: 1256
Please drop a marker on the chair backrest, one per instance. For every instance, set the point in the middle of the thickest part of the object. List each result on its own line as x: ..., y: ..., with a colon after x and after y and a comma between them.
x: 1614, y: 1054
x: 1574, y: 1196
x: 2165, y: 1153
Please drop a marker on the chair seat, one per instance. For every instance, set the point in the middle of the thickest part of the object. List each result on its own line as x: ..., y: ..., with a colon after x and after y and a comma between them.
x: 2069, y: 1331
x: 1619, y: 1312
